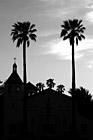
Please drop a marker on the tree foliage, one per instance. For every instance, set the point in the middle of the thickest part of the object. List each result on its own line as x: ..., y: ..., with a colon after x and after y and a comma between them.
x: 82, y: 94
x: 60, y: 88
x: 40, y: 86
x: 23, y: 31
x: 50, y: 83
x: 72, y: 28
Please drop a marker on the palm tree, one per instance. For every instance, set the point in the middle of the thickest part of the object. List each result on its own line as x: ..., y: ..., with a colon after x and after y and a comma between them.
x: 61, y: 88
x: 50, y: 83
x: 40, y: 86
x: 22, y: 32
x: 73, y: 30
x: 82, y: 95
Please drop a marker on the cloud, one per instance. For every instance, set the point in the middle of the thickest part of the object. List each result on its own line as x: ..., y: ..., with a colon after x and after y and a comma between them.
x: 64, y: 8
x: 63, y: 50
x: 89, y: 16
x: 89, y: 6
x: 57, y: 13
x: 52, y: 1
x: 47, y: 33
x: 89, y: 64
x: 69, y: 3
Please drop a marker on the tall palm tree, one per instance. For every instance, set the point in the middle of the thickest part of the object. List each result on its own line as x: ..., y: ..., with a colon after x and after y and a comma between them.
x: 22, y: 32
x: 50, y: 83
x: 73, y: 30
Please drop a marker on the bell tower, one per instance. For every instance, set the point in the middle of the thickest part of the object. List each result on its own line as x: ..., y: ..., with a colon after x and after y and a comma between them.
x: 13, y: 103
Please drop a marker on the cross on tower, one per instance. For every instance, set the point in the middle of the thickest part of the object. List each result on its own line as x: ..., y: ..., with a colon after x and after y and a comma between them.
x: 14, y: 59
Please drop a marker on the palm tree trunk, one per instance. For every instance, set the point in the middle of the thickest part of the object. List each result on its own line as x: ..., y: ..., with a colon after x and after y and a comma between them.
x: 73, y: 92
x: 25, y: 94
x: 24, y: 62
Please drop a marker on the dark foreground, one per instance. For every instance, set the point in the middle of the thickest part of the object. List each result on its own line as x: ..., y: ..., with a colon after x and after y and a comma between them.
x: 43, y: 138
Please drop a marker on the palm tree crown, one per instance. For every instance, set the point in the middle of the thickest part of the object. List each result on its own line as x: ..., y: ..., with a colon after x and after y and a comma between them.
x: 60, y: 88
x: 72, y: 28
x: 23, y: 31
x: 50, y: 83
x: 40, y: 86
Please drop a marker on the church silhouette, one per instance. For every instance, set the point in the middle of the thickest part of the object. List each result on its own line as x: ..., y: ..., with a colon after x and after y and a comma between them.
x: 49, y: 114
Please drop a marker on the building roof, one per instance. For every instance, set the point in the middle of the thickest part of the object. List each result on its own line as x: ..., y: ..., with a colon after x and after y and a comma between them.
x: 52, y: 91
x: 30, y: 86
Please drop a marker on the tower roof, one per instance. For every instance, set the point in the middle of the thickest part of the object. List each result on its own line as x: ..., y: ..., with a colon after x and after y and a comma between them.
x: 14, y: 77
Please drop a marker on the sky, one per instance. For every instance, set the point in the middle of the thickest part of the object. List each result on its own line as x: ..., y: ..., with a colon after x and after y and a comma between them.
x: 49, y: 56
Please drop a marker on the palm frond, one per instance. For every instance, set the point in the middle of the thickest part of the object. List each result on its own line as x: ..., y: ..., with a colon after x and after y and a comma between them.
x: 14, y: 32
x: 82, y: 36
x: 80, y: 26
x: 33, y: 30
x: 19, y: 42
x: 28, y: 43
x: 18, y: 26
x: 65, y: 25
x: 79, y: 22
x: 15, y: 37
x: 32, y: 26
x: 65, y: 37
x: 33, y: 37
x: 79, y: 38
x: 83, y: 28
x: 63, y: 32
x: 70, y: 24
x: 28, y: 24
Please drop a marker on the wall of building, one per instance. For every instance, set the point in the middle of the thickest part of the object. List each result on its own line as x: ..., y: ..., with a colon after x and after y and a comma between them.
x: 48, y: 114
x: 13, y: 109
x: 1, y: 113
x: 59, y: 115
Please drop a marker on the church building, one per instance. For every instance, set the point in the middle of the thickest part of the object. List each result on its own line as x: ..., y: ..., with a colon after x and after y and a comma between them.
x: 49, y: 114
